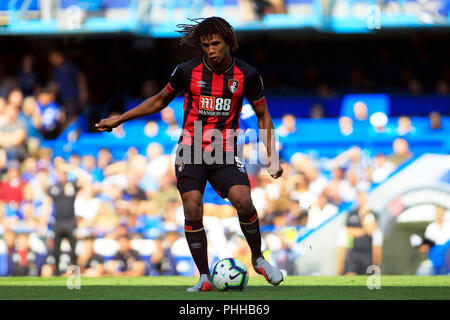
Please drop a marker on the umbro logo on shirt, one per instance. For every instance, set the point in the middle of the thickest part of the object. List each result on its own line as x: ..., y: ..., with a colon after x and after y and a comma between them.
x: 201, y: 83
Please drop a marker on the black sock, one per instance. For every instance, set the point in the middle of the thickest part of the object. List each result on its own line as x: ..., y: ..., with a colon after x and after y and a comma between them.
x: 196, y: 239
x: 250, y: 228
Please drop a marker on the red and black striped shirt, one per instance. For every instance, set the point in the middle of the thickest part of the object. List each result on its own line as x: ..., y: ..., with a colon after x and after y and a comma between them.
x: 215, y: 99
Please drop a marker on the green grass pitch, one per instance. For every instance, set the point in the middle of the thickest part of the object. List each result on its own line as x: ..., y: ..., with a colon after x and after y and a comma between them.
x: 174, y: 288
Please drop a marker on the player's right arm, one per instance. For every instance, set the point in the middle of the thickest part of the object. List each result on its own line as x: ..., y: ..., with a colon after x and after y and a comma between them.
x: 148, y: 107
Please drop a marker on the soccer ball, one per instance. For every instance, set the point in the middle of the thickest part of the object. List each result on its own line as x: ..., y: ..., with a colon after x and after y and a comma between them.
x: 229, y: 274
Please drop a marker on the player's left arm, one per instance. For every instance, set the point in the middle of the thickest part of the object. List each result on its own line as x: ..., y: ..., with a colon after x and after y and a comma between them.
x: 254, y: 91
x: 267, y: 135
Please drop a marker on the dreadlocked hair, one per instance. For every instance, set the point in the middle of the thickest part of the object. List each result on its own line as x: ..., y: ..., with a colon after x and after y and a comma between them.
x: 207, y: 27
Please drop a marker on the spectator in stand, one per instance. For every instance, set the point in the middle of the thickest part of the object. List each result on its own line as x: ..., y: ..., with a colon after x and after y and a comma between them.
x: 437, y: 232
x: 260, y: 194
x: 75, y: 161
x: 443, y: 87
x: 317, y: 181
x: 13, y: 134
x: 11, y: 189
x: 348, y: 187
x: 360, y: 243
x: 157, y: 167
x: 287, y: 127
x: 415, y: 86
x: 149, y: 220
x: 320, y: 211
x: 35, y: 212
x: 332, y: 188
x: 435, y: 119
x: 401, y: 152
x: 23, y: 259
x: 8, y: 218
x: 52, y: 117
x: 285, y: 133
x: 48, y: 268
x: 351, y: 159
x: 162, y: 262
x: 40, y: 183
x: 116, y: 173
x: 70, y: 83
x: 91, y: 264
x: 346, y: 126
x: 151, y: 130
x: 28, y: 221
x: 379, y: 122
x: 86, y: 207
x: 436, y: 240
x: 301, y: 191
x: 382, y: 167
x: 337, y: 174
x: 104, y: 159
x: 317, y: 111
x: 3, y: 161
x: 31, y: 116
x: 88, y: 163
x: 360, y: 112
x: 3, y: 116
x: 127, y: 261
x: 167, y: 191
x: 106, y: 219
x: 132, y: 190
x: 296, y: 215
x: 169, y: 125
x: 15, y: 98
x: 148, y: 89
x: 173, y: 216
x: 27, y: 77
x: 405, y: 126
x: 9, y: 237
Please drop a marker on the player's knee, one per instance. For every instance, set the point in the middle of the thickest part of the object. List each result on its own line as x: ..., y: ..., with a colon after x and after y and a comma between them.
x: 243, y: 204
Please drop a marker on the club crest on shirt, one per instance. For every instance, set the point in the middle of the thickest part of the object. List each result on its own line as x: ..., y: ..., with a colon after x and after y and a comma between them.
x: 233, y: 85
x: 180, y: 167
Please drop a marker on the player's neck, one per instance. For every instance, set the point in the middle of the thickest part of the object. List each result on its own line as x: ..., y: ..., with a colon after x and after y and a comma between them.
x: 221, y: 66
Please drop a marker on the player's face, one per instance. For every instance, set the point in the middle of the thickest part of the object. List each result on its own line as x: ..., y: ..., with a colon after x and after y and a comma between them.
x: 215, y: 49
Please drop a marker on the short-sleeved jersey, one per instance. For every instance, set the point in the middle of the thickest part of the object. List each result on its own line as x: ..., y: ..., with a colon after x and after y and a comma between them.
x: 215, y: 99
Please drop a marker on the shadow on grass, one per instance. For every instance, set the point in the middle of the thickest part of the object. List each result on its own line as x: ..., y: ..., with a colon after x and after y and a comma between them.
x: 250, y: 293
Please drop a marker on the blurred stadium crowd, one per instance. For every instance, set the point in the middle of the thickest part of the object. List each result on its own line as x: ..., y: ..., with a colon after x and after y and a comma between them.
x: 129, y: 217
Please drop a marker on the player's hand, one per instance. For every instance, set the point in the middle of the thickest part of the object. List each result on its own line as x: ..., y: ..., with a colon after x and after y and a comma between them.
x: 275, y: 171
x: 108, y: 124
